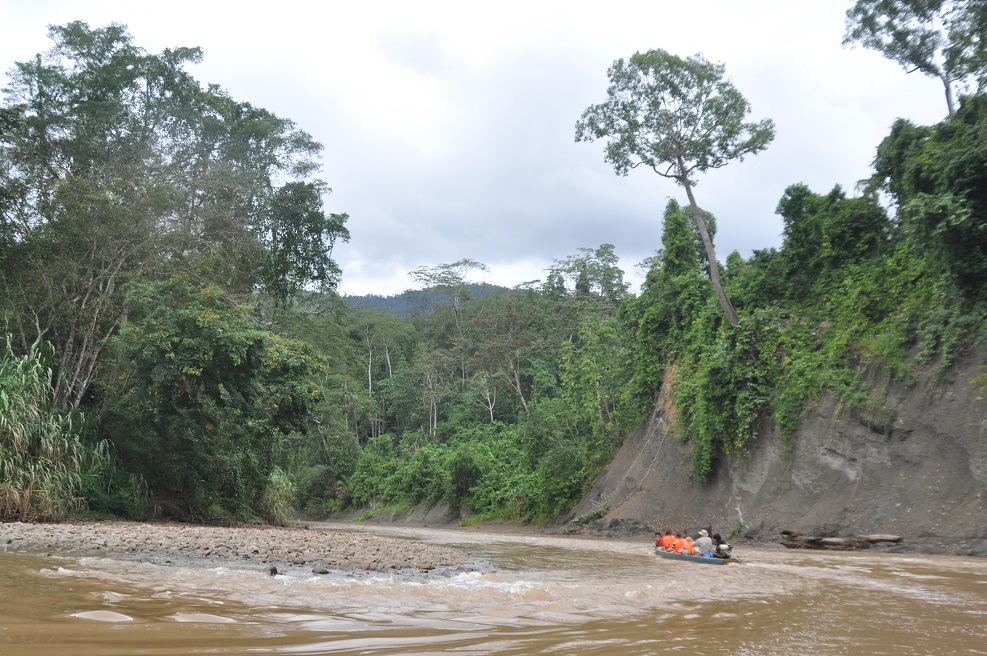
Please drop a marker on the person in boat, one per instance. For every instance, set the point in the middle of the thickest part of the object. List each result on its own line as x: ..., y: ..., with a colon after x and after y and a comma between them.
x: 722, y: 548
x: 703, y: 546
x: 668, y: 542
x: 683, y: 544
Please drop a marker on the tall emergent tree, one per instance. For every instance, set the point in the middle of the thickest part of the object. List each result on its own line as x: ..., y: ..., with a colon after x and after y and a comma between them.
x: 676, y: 116
x: 941, y: 38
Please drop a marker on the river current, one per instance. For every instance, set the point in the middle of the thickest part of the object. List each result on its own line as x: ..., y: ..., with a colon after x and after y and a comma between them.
x: 546, y: 595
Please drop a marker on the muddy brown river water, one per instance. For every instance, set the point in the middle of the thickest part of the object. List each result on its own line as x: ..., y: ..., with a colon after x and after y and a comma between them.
x: 545, y: 595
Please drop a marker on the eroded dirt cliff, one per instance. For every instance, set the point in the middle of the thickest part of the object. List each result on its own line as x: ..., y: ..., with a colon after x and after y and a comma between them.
x: 912, y: 461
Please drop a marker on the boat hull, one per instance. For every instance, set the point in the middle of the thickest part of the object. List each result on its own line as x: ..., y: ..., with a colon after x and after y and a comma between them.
x: 693, y: 559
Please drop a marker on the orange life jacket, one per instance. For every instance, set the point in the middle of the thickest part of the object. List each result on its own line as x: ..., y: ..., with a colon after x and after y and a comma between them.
x: 678, y: 544
x: 688, y: 545
x: 668, y: 542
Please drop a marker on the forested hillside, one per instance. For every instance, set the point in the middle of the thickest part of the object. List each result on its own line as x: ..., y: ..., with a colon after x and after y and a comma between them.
x: 175, y: 344
x: 412, y: 302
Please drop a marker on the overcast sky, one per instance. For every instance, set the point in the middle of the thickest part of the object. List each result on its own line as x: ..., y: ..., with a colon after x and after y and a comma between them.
x: 449, y: 126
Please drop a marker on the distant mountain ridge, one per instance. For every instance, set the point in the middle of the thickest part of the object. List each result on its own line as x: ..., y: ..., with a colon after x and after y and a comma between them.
x: 400, y: 305
x: 411, y: 301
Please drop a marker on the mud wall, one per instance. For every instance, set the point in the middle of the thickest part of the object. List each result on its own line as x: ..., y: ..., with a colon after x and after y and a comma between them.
x: 914, y: 464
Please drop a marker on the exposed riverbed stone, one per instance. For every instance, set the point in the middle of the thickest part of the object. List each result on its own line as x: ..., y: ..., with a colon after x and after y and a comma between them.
x: 272, y: 549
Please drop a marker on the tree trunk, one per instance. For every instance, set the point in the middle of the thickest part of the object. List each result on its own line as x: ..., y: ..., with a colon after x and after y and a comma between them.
x: 370, y: 375
x: 490, y: 400
x: 714, y: 269
x: 947, y: 82
x: 513, y: 376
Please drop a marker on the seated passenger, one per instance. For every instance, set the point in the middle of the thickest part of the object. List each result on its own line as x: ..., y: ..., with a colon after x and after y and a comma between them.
x: 668, y: 542
x: 679, y: 543
x: 687, y: 550
x: 704, y: 545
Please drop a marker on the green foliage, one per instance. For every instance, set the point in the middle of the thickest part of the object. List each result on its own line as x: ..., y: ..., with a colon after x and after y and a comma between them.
x: 479, y: 406
x: 759, y: 281
x: 118, y: 166
x: 949, y: 324
x: 508, y: 488
x: 465, y: 473
x: 843, y: 303
x: 424, y: 476
x: 674, y: 294
x: 728, y: 389
x: 939, y: 181
x: 110, y: 491
x: 323, y: 461
x: 942, y: 39
x: 676, y: 117
x: 277, y: 503
x: 825, y: 234
x: 562, y: 476
x: 672, y: 114
x: 43, y: 461
x: 300, y: 237
x: 369, y: 483
x: 169, y: 241
x: 208, y: 399
x: 599, y: 510
x: 594, y: 374
x: 590, y: 274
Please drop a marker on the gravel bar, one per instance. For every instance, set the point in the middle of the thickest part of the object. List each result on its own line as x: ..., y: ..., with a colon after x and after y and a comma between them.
x: 273, y: 549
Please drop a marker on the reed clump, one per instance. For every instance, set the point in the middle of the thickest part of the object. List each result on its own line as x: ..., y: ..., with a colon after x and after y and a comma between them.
x: 278, y: 501
x: 42, y: 458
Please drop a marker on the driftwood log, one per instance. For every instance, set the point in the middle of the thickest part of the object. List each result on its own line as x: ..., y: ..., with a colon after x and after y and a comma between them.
x: 874, y: 539
x: 796, y: 540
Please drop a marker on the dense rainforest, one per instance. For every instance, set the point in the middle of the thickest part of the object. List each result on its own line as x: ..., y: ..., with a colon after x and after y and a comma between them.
x: 174, y: 343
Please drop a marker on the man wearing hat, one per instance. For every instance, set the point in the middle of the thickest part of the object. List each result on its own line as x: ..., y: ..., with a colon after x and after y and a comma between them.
x: 703, y: 546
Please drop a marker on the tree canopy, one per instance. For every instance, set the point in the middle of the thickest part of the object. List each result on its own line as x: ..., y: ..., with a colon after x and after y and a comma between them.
x: 173, y: 247
x: 677, y: 117
x: 117, y: 165
x: 945, y: 39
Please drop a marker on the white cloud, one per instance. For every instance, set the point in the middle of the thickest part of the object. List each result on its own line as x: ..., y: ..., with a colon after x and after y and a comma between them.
x: 448, y: 126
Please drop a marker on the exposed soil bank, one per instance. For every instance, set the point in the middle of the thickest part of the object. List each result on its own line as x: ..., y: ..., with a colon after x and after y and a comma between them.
x: 910, y: 461
x: 260, y: 548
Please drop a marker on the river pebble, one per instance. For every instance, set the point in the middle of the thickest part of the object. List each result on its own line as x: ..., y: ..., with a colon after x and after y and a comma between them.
x: 269, y: 549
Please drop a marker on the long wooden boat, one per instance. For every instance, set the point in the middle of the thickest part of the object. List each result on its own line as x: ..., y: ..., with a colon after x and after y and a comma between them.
x: 694, y: 559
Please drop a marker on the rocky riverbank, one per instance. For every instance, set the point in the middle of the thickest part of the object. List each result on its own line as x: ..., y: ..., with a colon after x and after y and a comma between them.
x: 272, y: 549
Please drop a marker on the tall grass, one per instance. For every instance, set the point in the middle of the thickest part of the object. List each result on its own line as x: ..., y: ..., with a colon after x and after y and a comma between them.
x: 42, y: 459
x: 277, y: 505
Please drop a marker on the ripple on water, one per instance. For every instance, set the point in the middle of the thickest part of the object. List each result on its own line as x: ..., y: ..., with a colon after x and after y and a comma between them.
x: 202, y: 618
x: 103, y: 616
x: 559, y: 596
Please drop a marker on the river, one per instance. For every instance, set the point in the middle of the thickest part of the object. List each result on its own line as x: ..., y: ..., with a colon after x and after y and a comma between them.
x: 546, y: 595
